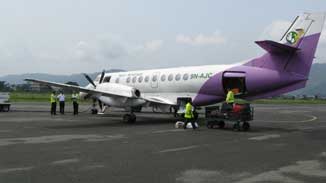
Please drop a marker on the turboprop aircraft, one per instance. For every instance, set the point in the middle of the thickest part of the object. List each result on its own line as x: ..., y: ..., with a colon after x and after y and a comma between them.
x: 283, y: 68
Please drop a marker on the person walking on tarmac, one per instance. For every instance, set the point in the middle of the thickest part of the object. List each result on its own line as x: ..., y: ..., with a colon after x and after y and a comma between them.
x: 61, y: 98
x: 53, y: 101
x: 189, y: 116
x: 75, y: 98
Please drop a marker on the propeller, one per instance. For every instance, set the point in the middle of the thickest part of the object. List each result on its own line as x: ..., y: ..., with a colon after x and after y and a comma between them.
x: 102, y: 76
x: 100, y: 104
x: 89, y: 80
x: 101, y: 81
x: 92, y: 82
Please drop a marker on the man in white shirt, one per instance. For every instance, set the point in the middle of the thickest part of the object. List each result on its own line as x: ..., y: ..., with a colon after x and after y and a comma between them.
x: 61, y: 98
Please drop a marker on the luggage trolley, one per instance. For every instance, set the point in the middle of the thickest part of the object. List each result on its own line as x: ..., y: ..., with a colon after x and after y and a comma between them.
x: 238, y: 114
x: 4, y: 104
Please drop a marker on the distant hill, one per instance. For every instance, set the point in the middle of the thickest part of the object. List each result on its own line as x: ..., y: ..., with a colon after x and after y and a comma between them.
x: 316, y: 83
x: 79, y: 78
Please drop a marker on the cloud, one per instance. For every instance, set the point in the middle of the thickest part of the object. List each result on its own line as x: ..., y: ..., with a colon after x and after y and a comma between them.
x: 323, y: 35
x: 201, y: 39
x: 275, y: 30
x: 112, y: 48
x: 153, y: 45
x: 146, y: 47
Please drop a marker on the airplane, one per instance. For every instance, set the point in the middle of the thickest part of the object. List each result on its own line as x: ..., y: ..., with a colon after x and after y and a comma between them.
x: 283, y: 68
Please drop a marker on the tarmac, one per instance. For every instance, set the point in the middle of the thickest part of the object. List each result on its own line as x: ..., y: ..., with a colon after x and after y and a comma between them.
x: 286, y: 143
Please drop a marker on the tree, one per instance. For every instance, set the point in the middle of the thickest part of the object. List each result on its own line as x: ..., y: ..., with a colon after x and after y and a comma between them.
x: 4, y: 87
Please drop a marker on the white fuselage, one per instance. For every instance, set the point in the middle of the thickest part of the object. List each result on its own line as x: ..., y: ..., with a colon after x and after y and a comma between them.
x: 169, y: 83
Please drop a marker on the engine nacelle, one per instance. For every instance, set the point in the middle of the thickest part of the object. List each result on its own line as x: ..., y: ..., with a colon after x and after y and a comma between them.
x: 119, y: 89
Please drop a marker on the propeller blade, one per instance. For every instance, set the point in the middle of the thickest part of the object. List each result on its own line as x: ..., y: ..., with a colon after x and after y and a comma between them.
x: 100, y: 104
x: 89, y: 80
x: 102, y: 76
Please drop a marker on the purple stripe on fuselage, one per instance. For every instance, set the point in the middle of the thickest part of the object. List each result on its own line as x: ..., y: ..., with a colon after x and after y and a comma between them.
x: 266, y: 76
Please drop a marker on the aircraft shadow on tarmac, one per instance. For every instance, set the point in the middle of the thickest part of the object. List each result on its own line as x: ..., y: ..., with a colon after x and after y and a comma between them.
x: 144, y: 119
x: 153, y: 122
x: 112, y: 123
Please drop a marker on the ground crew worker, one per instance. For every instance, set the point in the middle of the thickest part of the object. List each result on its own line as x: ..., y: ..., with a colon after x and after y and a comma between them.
x: 75, y: 98
x: 61, y: 98
x: 53, y: 101
x: 230, y: 97
x: 189, y: 116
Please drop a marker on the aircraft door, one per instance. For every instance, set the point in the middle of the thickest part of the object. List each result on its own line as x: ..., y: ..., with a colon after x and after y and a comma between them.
x: 236, y: 81
x: 154, y: 79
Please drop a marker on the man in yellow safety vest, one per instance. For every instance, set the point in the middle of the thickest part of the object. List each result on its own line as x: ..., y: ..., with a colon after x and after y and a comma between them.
x: 53, y: 101
x: 189, y: 116
x: 230, y: 97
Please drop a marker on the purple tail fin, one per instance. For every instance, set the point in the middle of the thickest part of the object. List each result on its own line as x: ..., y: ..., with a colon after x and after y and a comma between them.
x: 295, y: 52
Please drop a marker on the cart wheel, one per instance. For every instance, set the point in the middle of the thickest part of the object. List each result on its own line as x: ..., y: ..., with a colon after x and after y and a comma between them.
x: 212, y: 126
x: 221, y: 124
x: 246, y: 126
x: 236, y: 127
x: 208, y: 126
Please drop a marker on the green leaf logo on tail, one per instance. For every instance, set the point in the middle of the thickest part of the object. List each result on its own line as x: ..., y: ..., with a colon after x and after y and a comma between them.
x: 293, y: 36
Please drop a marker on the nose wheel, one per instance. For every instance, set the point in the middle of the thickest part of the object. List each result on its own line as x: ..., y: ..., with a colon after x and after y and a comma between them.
x: 129, y: 118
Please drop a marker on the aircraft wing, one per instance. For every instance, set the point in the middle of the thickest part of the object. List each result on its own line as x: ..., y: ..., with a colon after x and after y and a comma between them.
x: 159, y: 100
x: 151, y: 99
x: 166, y: 98
x: 78, y: 88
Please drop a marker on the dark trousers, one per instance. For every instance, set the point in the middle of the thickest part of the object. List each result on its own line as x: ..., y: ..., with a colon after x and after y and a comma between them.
x: 53, y: 108
x: 75, y: 104
x: 62, y: 107
x: 190, y: 120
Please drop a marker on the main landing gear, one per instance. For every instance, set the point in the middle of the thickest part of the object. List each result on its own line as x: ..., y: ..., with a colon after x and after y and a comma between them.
x: 129, y: 118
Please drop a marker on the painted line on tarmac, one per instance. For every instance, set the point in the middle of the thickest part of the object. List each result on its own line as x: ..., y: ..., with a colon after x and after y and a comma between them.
x: 167, y: 131
x: 312, y: 128
x: 179, y: 149
x: 10, y: 170
x: 5, y: 131
x: 65, y: 161
x: 60, y: 138
x: 265, y: 137
x: 311, y: 118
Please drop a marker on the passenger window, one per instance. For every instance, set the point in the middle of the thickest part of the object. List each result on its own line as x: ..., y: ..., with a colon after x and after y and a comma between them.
x: 177, y: 77
x: 140, y: 79
x: 154, y: 78
x: 146, y: 79
x: 128, y: 80
x: 163, y: 77
x: 117, y: 80
x: 185, y: 76
x: 170, y: 78
x: 134, y: 79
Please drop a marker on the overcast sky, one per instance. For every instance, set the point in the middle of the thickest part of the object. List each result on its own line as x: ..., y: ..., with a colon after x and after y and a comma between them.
x: 71, y: 36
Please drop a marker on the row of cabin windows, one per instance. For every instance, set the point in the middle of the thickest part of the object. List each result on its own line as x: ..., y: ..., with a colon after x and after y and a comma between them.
x: 155, y: 78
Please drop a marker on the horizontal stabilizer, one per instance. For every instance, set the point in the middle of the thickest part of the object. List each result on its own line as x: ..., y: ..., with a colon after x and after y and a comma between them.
x: 275, y: 47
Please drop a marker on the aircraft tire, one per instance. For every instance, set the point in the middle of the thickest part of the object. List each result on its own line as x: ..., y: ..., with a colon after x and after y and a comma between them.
x: 129, y: 118
x: 245, y: 126
x: 236, y: 127
x: 221, y: 124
